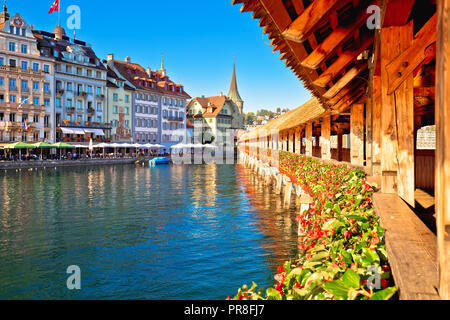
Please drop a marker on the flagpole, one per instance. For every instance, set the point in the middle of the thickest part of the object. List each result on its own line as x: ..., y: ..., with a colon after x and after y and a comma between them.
x: 59, y: 13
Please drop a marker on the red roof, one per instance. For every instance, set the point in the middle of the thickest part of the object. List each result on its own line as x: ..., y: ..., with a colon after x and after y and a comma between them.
x: 139, y: 77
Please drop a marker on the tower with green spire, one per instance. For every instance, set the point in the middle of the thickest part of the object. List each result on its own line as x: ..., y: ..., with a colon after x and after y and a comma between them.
x: 234, y: 92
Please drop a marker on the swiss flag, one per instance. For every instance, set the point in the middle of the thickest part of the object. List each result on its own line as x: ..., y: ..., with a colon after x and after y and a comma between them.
x: 54, y: 7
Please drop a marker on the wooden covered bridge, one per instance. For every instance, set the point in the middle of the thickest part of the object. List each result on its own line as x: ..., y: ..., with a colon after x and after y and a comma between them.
x: 379, y: 71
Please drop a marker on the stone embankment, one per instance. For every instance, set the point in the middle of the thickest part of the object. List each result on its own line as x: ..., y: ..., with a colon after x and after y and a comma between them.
x: 14, y: 165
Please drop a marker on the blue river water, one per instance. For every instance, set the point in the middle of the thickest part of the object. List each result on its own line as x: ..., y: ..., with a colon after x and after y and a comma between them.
x: 163, y: 233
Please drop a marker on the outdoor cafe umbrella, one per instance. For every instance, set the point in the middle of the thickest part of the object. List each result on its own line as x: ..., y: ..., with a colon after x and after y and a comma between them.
x: 60, y: 146
x: 20, y: 146
x: 42, y: 145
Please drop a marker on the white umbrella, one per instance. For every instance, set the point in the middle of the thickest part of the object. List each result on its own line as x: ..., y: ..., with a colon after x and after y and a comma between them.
x: 178, y: 146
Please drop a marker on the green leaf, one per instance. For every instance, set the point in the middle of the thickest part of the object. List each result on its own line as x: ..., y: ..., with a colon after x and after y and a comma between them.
x: 351, y: 279
x: 385, y: 294
x: 337, y: 288
x: 319, y: 256
x: 356, y: 217
x: 332, y: 224
x: 337, y: 209
x: 273, y: 294
x: 371, y: 255
x: 347, y: 257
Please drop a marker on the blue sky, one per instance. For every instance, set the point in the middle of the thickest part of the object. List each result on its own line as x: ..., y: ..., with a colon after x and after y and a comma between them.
x: 198, y: 39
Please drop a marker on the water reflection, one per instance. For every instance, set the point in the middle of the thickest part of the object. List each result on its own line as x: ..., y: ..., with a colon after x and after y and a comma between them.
x: 175, y: 232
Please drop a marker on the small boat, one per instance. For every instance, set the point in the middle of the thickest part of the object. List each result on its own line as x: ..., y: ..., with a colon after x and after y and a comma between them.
x: 159, y: 160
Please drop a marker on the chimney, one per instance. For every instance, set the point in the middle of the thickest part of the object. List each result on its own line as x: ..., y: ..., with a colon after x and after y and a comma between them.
x: 149, y: 72
x: 110, y: 57
x: 128, y: 60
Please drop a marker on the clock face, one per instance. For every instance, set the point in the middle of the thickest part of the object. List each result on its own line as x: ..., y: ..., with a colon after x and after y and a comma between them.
x: 18, y: 22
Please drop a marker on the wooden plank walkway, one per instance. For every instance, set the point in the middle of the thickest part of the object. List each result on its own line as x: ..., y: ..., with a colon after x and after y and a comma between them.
x: 411, y: 248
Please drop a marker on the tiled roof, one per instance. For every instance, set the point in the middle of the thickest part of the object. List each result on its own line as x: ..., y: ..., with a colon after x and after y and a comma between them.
x: 138, y: 76
x: 216, y: 103
x: 47, y: 40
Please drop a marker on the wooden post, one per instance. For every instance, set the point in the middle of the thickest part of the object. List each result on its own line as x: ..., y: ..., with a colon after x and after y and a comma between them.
x: 443, y: 146
x: 397, y: 118
x: 293, y: 137
x: 357, y: 134
x: 339, y: 144
x: 298, y: 141
x: 368, y: 135
x: 309, y: 147
x: 325, y: 138
x: 376, y: 126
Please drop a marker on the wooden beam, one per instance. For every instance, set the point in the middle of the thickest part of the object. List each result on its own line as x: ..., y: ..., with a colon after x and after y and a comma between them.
x: 357, y: 134
x: 325, y: 137
x: 397, y: 119
x: 343, y: 61
x: 396, y: 12
x: 376, y: 126
x: 346, y: 79
x: 305, y: 24
x: 354, y: 85
x: 404, y: 65
x: 298, y: 140
x: 443, y: 146
x: 332, y: 42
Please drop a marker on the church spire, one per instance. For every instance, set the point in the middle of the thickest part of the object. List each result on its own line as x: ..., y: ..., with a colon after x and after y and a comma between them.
x: 163, y: 71
x: 234, y: 92
x: 4, y: 16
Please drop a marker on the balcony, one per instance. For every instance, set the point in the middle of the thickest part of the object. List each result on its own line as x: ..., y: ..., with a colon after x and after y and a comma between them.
x: 70, y: 109
x: 79, y: 124
x: 22, y: 71
x: 7, y: 125
x: 174, y: 118
x: 91, y: 110
x: 60, y: 92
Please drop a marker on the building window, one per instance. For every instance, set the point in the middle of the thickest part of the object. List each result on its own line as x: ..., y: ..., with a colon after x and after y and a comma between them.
x: 115, y: 109
x: 99, y: 107
x: 58, y: 102
x: 24, y: 48
x: 127, y: 110
x: 24, y: 65
x: 115, y: 97
x: 69, y: 86
x: 46, y: 68
x: 35, y: 101
x: 12, y: 46
x: 35, y: 85
x: 127, y: 98
x: 24, y: 84
x: 35, y: 66
x: 36, y: 118
x: 79, y: 104
x: 47, y: 102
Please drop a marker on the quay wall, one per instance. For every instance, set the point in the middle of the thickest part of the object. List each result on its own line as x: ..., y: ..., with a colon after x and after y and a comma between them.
x: 14, y: 165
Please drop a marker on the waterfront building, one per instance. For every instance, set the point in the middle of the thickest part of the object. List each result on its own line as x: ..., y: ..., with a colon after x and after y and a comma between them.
x: 119, y: 107
x: 26, y: 84
x: 158, y: 103
x: 218, y: 113
x: 80, y: 86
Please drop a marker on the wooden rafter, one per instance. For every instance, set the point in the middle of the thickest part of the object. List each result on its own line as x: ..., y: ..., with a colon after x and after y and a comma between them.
x: 309, y: 20
x: 333, y: 41
x: 346, y: 79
